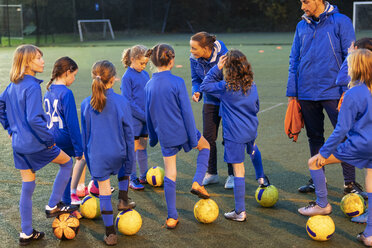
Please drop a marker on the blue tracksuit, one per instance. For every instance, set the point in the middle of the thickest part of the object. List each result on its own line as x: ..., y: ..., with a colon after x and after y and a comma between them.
x: 169, y: 115
x: 238, y: 110
x: 22, y: 114
x: 62, y: 118
x: 133, y: 88
x: 108, y: 139
x: 354, y: 122
x: 318, y: 51
x: 200, y: 68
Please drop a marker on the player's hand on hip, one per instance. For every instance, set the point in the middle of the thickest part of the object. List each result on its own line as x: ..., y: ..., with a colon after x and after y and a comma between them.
x: 196, y: 97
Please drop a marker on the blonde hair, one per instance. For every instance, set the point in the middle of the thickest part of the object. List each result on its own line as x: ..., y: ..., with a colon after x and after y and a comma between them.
x: 22, y: 58
x: 135, y: 52
x: 102, y: 73
x: 360, y: 64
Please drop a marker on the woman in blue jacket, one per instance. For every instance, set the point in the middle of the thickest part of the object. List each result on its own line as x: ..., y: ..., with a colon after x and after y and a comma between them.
x: 22, y: 115
x: 354, y: 122
x: 108, y: 141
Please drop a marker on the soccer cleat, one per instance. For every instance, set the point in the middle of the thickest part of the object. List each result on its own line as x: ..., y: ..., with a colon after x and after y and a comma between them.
x: 82, y: 191
x: 110, y: 240
x: 242, y: 216
x: 75, y: 200
x: 229, y: 184
x: 367, y: 241
x: 135, y: 184
x: 362, y: 219
x: 143, y: 180
x: 93, y: 190
x: 355, y: 187
x: 314, y: 209
x: 171, y: 223
x: 26, y: 240
x: 200, y: 191
x: 263, y: 182
x: 210, y: 179
x: 124, y: 205
x: 309, y: 187
x: 59, y: 209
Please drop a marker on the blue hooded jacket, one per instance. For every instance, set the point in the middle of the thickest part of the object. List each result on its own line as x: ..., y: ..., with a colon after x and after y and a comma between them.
x: 318, y: 51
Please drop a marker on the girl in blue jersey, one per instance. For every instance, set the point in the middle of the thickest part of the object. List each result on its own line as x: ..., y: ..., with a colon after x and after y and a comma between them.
x: 108, y: 141
x: 133, y: 88
x: 170, y: 121
x: 63, y: 120
x: 231, y: 81
x: 354, y: 122
x: 22, y: 115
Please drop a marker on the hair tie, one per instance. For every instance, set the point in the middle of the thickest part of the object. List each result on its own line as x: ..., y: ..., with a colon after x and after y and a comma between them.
x: 98, y: 77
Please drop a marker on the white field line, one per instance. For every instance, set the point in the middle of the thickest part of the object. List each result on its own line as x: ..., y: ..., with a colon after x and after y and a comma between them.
x: 270, y: 108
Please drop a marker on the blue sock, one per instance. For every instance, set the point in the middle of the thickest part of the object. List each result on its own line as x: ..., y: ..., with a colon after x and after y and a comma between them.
x: 96, y: 183
x: 320, y: 187
x: 257, y: 162
x: 170, y: 197
x: 62, y: 178
x: 239, y: 194
x: 25, y: 207
x: 106, y: 209
x: 123, y: 183
x: 66, y: 198
x: 142, y: 162
x: 201, y: 165
x: 133, y: 174
x: 368, y: 231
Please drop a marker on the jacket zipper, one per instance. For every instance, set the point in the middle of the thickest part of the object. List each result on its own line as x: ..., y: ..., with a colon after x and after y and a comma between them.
x: 334, y: 53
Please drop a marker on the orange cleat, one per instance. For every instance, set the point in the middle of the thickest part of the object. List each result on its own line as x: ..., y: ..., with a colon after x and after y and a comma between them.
x: 171, y: 223
x: 200, y: 191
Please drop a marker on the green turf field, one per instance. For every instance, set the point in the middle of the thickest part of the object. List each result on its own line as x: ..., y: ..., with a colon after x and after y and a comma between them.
x: 284, y: 162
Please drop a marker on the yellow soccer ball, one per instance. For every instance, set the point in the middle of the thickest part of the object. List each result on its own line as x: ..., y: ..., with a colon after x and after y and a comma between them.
x: 155, y: 176
x: 128, y: 222
x: 206, y: 210
x: 320, y: 227
x: 65, y: 226
x: 90, y: 208
x: 267, y: 196
x: 353, y: 205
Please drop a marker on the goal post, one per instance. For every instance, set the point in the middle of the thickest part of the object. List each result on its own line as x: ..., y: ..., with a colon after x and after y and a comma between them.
x: 362, y: 16
x: 11, y: 20
x: 104, y: 23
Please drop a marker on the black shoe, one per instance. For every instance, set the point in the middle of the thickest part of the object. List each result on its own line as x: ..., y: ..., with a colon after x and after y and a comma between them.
x: 34, y: 236
x: 309, y: 187
x: 355, y: 187
x: 61, y: 208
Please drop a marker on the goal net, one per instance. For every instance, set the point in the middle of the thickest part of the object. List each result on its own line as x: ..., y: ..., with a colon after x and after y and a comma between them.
x: 362, y: 18
x: 99, y: 29
x: 11, y: 20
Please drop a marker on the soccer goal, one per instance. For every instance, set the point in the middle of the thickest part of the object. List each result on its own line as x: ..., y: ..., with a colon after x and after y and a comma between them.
x: 11, y: 20
x: 95, y: 29
x: 362, y: 18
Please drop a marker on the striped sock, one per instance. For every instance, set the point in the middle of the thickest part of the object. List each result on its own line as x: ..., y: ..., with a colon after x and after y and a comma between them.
x: 106, y: 209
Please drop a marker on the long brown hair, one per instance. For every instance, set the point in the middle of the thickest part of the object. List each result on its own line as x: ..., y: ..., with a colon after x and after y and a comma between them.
x: 135, y: 52
x: 22, y: 58
x: 61, y: 66
x: 360, y: 64
x: 237, y: 71
x: 204, y: 39
x: 102, y: 72
x: 161, y: 54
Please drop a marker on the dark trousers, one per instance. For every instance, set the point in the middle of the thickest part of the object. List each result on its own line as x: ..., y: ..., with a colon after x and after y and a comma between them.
x: 312, y: 112
x: 211, y: 123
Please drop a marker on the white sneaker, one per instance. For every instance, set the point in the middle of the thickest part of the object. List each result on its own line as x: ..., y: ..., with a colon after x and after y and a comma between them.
x: 229, y: 184
x: 210, y: 179
x: 242, y: 216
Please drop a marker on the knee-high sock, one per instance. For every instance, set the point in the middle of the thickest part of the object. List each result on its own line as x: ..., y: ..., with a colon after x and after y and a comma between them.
x: 239, y: 194
x: 320, y: 187
x: 257, y: 162
x: 170, y: 197
x: 133, y: 174
x: 142, y: 162
x: 66, y: 198
x: 123, y: 183
x: 25, y: 207
x: 368, y: 231
x: 106, y: 209
x: 62, y: 178
x: 201, y: 166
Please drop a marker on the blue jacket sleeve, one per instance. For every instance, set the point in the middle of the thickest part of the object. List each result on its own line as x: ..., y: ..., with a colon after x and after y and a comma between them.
x: 69, y: 105
x: 126, y: 91
x: 343, y: 77
x: 347, y: 36
x: 3, y: 115
x: 195, y: 79
x: 187, y: 114
x: 127, y: 124
x: 294, y: 60
x: 345, y: 122
x: 36, y: 117
x: 213, y: 83
x: 85, y: 130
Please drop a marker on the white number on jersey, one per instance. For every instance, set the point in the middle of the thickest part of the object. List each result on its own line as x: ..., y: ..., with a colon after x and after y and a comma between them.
x: 54, y: 117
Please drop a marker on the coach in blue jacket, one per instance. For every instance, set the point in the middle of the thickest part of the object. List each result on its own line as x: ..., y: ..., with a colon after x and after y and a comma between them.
x: 319, y: 48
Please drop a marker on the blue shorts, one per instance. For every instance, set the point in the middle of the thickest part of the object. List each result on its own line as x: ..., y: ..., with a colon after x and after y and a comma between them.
x: 170, y: 151
x: 234, y: 152
x: 35, y: 161
x: 352, y: 160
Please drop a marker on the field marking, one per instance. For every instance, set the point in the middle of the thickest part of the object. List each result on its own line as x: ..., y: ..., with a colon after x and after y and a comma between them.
x: 270, y: 108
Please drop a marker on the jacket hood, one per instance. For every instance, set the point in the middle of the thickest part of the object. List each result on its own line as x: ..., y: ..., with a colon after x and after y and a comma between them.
x: 329, y: 10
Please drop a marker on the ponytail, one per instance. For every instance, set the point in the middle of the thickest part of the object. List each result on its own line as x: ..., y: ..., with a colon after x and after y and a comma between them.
x: 61, y: 66
x: 125, y: 58
x: 135, y: 52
